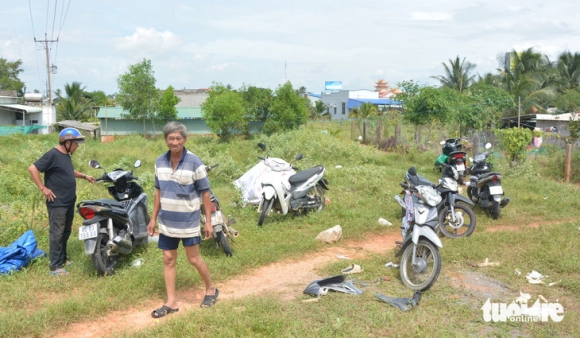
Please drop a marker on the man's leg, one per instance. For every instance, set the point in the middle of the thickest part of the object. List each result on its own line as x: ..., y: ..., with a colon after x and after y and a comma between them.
x: 170, y: 273
x: 70, y: 214
x: 57, y: 220
x: 195, y: 259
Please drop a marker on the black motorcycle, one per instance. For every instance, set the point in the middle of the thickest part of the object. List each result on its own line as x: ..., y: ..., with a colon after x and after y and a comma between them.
x: 113, y: 227
x: 485, y: 185
x: 454, y: 156
x: 222, y: 232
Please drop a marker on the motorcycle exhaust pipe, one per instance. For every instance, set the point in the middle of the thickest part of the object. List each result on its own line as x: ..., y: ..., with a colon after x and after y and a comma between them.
x: 234, y: 232
x: 122, y: 246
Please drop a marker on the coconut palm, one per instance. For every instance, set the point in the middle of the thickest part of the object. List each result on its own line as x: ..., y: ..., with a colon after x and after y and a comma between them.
x: 568, y: 66
x: 74, y: 106
x: 318, y: 111
x: 457, y: 74
x: 364, y: 111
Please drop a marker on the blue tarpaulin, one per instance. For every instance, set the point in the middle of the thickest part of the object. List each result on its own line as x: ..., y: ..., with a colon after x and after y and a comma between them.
x: 20, y: 253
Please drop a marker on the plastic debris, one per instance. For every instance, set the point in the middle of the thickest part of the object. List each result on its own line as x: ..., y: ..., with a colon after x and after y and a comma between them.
x: 535, y: 277
x: 342, y: 257
x: 488, y: 263
x: 554, y: 283
x: 518, y: 272
x: 523, y: 298
x: 383, y: 221
x: 138, y: 262
x: 311, y: 300
x: 331, y: 235
x: 543, y: 299
x: 403, y: 304
x: 391, y: 265
x: 338, y: 167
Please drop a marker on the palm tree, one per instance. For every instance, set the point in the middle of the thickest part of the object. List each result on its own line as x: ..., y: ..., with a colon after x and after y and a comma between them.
x: 74, y: 106
x: 457, y: 74
x: 568, y: 66
x: 319, y: 110
x: 364, y: 111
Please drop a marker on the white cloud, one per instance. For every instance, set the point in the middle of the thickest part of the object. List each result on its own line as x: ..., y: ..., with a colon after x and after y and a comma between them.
x: 149, y: 41
x: 431, y: 16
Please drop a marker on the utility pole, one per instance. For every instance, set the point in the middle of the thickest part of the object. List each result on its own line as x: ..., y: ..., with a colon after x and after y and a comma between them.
x: 46, y: 41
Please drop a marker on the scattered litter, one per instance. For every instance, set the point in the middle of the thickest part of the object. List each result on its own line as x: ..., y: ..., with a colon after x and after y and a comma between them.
x: 343, y: 257
x: 543, y: 299
x: 383, y: 221
x: 321, y: 287
x: 138, y: 262
x: 523, y: 298
x: 554, y: 283
x: 331, y: 235
x: 488, y: 263
x: 311, y: 300
x: 535, y: 277
x: 360, y: 138
x: 387, y: 279
x: 391, y: 265
x: 338, y: 166
x: 518, y: 272
x: 353, y: 268
x: 404, y: 304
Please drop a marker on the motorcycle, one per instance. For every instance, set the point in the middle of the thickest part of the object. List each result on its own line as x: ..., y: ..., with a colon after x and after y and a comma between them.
x: 455, y: 215
x: 222, y: 232
x: 420, y: 258
x: 113, y: 227
x: 453, y: 155
x: 485, y: 186
x: 302, y: 192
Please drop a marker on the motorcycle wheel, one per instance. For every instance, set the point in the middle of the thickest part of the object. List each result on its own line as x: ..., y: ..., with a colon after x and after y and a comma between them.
x: 317, y: 191
x: 463, y: 227
x: 469, y: 194
x: 460, y: 180
x: 222, y: 240
x: 424, y: 274
x: 263, y: 215
x: 495, y: 210
x: 104, y: 264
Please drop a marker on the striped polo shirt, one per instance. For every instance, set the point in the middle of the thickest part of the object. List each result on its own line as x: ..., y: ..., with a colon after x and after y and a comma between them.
x: 180, y: 192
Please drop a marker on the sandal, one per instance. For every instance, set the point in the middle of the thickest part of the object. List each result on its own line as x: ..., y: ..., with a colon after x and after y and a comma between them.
x: 162, y: 311
x: 208, y: 300
x: 59, y: 272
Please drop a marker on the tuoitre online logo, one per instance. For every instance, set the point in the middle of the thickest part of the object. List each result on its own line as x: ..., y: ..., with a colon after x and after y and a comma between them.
x: 514, y: 312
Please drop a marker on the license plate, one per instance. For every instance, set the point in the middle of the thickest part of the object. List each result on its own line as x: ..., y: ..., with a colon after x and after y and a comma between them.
x: 496, y: 190
x: 460, y: 167
x: 88, y: 231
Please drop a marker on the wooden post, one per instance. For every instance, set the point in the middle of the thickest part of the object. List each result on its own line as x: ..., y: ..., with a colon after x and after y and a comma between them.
x: 568, y: 168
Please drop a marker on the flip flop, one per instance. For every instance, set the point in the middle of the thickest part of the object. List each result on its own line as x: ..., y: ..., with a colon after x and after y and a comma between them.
x: 353, y: 268
x: 59, y: 272
x: 208, y: 300
x: 162, y: 311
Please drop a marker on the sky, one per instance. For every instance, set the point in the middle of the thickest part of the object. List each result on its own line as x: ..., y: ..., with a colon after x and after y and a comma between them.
x: 193, y: 44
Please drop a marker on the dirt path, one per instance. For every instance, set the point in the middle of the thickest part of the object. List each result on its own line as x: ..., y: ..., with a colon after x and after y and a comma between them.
x: 270, y: 278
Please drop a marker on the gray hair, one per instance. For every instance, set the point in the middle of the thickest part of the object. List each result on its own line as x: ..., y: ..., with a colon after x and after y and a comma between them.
x: 174, y: 127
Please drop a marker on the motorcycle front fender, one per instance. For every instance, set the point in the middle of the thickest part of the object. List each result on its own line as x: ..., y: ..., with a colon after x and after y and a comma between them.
x: 269, y: 192
x: 428, y: 233
x: 461, y: 198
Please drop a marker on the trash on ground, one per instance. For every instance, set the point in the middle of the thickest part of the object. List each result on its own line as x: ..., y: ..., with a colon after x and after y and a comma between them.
x: 338, y: 166
x: 391, y: 265
x: 337, y: 283
x: 535, y: 277
x: 404, y: 304
x: 488, y: 263
x: 383, y: 221
x: 387, y: 279
x: 543, y: 299
x: 518, y: 272
x: 342, y: 257
x: 353, y: 268
x: 19, y: 253
x: 554, y: 283
x: 311, y: 300
x: 523, y: 298
x: 331, y: 235
x: 138, y: 262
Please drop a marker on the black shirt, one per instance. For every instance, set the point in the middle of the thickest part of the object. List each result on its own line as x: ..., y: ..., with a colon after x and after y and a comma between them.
x: 59, y: 176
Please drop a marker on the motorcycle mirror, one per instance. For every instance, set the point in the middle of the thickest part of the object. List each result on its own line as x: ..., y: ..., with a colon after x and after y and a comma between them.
x: 442, y: 142
x: 137, y: 164
x: 94, y: 164
x: 412, y: 171
x: 487, y: 145
x: 298, y: 157
x: 262, y: 146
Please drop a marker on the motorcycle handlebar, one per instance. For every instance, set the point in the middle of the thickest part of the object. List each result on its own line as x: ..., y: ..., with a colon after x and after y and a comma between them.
x: 211, y: 167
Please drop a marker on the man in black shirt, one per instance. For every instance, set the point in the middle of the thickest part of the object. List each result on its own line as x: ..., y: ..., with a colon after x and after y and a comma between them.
x: 59, y: 188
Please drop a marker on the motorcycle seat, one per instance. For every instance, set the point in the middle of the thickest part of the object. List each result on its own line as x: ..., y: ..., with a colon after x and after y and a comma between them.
x: 453, y: 153
x: 304, y: 175
x: 106, y: 201
x: 424, y: 181
x: 488, y: 174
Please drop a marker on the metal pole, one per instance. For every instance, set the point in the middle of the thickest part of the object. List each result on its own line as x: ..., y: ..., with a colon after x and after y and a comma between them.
x: 519, y: 108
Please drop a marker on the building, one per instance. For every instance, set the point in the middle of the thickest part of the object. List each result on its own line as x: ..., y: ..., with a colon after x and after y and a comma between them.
x: 545, y: 122
x: 341, y: 103
x: 32, y: 117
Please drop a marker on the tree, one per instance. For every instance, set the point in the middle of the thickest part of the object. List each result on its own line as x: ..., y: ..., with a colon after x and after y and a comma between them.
x: 9, y: 72
x: 457, y: 74
x: 569, y: 101
x: 318, y: 110
x: 364, y: 111
x: 166, y: 110
x: 568, y: 66
x: 137, y: 92
x: 481, y: 106
x: 74, y: 106
x: 287, y: 111
x: 224, y: 112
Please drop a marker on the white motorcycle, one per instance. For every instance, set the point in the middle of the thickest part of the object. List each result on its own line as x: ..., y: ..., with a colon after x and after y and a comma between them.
x: 301, y: 192
x: 420, y: 258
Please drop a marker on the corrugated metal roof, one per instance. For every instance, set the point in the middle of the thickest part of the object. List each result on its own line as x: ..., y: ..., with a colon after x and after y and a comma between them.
x: 354, y: 103
x: 118, y: 112
x: 20, y: 108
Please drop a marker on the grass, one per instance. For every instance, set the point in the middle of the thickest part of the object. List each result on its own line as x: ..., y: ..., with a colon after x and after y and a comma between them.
x: 361, y: 192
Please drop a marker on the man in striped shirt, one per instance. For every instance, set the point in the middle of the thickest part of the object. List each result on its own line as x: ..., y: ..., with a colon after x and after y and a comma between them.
x: 181, y: 185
